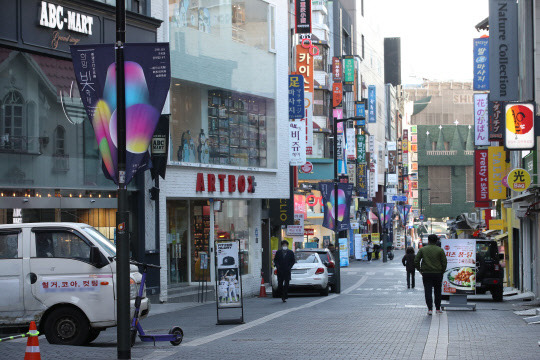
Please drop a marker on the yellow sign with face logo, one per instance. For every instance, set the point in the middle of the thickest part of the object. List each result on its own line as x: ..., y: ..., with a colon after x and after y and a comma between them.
x: 519, y: 180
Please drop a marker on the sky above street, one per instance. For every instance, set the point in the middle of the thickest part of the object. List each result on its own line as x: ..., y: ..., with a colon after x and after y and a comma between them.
x: 436, y: 35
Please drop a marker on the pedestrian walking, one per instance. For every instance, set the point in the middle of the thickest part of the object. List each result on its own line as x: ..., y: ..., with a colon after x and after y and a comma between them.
x: 408, y: 262
x: 376, y: 249
x: 431, y: 262
x: 369, y: 249
x: 284, y: 261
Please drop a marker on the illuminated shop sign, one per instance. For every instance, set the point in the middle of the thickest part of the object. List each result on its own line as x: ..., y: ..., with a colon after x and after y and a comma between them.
x: 241, y: 184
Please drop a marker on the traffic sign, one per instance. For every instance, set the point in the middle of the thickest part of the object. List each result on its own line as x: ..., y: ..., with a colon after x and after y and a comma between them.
x: 421, y: 217
x: 307, y: 168
x: 399, y: 198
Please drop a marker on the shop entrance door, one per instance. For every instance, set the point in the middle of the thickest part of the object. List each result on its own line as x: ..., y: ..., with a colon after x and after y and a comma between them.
x: 200, y: 239
x: 178, y: 242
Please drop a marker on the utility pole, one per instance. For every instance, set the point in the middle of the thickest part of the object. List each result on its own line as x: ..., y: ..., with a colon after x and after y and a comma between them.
x: 337, y: 271
x: 384, y: 230
x: 122, y: 215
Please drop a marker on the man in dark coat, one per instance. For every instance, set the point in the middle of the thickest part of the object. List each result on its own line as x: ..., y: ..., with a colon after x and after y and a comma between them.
x: 284, y: 261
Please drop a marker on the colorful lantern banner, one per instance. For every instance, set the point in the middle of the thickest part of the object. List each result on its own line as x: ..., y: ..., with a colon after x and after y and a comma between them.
x: 344, y: 191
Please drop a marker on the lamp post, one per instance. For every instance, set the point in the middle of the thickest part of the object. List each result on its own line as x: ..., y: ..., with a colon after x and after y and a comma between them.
x: 336, y: 180
x: 421, y: 208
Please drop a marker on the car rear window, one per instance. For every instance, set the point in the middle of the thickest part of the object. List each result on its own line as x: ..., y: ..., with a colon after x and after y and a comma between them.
x: 324, y: 256
x: 306, y: 257
x: 486, y: 250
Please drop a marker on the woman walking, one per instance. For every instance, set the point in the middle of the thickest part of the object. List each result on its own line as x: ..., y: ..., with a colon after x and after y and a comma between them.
x: 408, y: 262
x: 369, y: 249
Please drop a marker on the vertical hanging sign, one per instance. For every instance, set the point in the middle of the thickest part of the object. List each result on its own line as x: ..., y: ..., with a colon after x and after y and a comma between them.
x: 481, y: 64
x: 496, y: 117
x: 307, y: 119
x: 496, y: 172
x: 337, y: 69
x: 361, y: 148
x: 296, y: 97
x: 372, y: 107
x: 481, y: 180
x: 303, y: 16
x: 348, y: 70
x: 304, y: 66
x: 337, y: 94
x: 481, y: 126
x: 297, y: 143
x: 361, y: 179
x: 351, y: 144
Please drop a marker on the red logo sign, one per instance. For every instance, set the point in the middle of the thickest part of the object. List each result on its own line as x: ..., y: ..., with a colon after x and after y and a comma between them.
x: 307, y: 168
x: 337, y: 94
x: 122, y: 226
x: 447, y: 247
x: 309, y: 231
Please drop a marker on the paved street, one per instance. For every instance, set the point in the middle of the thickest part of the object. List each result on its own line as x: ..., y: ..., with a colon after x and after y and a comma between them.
x: 375, y: 317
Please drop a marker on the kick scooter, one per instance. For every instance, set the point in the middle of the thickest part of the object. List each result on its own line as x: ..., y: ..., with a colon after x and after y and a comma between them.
x: 175, y: 335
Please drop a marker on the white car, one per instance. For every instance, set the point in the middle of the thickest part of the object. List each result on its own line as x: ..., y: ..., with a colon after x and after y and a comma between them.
x: 63, y: 276
x: 308, y: 274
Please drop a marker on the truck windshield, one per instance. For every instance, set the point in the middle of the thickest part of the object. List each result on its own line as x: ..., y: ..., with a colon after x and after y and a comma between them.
x: 101, y: 240
x: 486, y: 250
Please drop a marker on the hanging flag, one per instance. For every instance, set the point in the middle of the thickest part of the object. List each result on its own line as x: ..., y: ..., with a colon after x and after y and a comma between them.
x: 148, y: 77
x: 344, y: 191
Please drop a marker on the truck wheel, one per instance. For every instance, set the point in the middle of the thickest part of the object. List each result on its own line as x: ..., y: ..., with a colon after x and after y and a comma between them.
x: 497, y: 293
x: 92, y: 335
x: 66, y: 326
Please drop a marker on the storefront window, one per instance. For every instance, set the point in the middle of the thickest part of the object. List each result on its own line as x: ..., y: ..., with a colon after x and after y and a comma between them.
x: 233, y: 223
x: 223, y: 104
x: 177, y: 241
x: 200, y: 237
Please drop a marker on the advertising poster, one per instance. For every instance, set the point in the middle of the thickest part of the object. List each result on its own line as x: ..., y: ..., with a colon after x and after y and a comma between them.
x: 481, y: 64
x: 460, y: 274
x: 344, y: 205
x: 298, y: 228
x: 359, y: 247
x: 496, y: 172
x: 372, y: 106
x: 229, y: 293
x: 296, y: 97
x: 519, y: 132
x: 343, y: 252
x: 376, y: 238
x: 148, y: 76
x: 481, y: 124
x: 297, y: 143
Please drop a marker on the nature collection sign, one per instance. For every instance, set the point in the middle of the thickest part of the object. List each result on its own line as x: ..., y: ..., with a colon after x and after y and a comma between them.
x: 148, y: 76
x: 460, y: 274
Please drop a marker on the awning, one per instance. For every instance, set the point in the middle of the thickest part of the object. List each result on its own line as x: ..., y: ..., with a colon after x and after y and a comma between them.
x: 500, y: 237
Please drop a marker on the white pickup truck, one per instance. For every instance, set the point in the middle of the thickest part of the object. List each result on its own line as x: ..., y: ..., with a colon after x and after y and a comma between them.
x: 63, y: 276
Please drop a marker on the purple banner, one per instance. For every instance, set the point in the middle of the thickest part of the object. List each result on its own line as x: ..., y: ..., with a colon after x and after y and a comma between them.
x: 385, y: 213
x: 148, y: 75
x: 344, y: 204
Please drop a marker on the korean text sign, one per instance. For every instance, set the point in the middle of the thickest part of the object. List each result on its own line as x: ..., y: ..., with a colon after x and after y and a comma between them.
x: 481, y: 180
x: 297, y: 143
x: 361, y: 148
x: 337, y: 69
x: 372, y: 106
x: 296, y: 97
x: 481, y: 124
x: 481, y: 64
x: 496, y: 171
x: 348, y: 70
x: 304, y: 66
x: 460, y: 274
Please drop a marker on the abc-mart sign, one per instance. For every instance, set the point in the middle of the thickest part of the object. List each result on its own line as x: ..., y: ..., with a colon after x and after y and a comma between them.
x: 54, y: 17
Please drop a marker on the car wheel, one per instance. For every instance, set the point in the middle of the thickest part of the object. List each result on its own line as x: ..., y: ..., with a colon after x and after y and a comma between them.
x: 497, y: 293
x: 92, y: 335
x: 67, y: 326
x: 325, y: 291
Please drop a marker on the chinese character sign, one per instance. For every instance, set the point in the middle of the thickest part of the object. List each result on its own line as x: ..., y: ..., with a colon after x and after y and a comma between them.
x: 496, y: 120
x: 348, y: 70
x: 481, y: 180
x: 519, y: 132
x: 297, y: 143
x: 303, y: 16
x: 460, y: 274
x: 496, y: 172
x: 296, y: 97
x: 481, y: 126
x: 372, y: 106
x: 361, y: 148
x: 481, y: 64
x: 304, y: 66
x: 519, y: 180
x: 147, y: 71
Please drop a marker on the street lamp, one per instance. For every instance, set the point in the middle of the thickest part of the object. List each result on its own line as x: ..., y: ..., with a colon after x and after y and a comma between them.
x: 336, y: 180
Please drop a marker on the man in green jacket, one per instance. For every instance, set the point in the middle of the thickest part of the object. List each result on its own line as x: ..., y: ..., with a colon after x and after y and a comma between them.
x: 431, y: 262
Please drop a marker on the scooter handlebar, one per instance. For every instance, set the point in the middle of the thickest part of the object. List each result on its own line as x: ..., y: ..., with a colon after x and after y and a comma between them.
x: 133, y: 262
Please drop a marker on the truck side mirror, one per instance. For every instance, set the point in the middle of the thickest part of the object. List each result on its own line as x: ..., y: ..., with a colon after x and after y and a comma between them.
x: 96, y: 258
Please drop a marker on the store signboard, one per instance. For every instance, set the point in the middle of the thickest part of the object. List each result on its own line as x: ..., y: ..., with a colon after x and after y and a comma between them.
x: 296, y: 97
x: 337, y: 69
x: 496, y: 172
x: 519, y: 180
x: 361, y: 180
x: 519, y: 129
x: 481, y: 180
x: 303, y: 16
x: 496, y: 120
x: 351, y: 143
x: 297, y: 143
x: 304, y: 66
x: 298, y: 228
x: 460, y: 274
x: 229, y: 294
x: 481, y: 64
x: 348, y: 71
x: 481, y: 122
x: 361, y: 148
x: 337, y: 94
x: 307, y: 119
x: 372, y: 104
x: 282, y: 212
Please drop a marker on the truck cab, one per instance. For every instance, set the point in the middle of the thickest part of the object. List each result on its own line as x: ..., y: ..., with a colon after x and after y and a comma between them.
x: 63, y: 276
x: 489, y: 272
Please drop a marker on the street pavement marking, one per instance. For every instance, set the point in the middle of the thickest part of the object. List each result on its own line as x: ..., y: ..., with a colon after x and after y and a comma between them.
x: 436, y: 347
x: 264, y: 319
x: 158, y: 355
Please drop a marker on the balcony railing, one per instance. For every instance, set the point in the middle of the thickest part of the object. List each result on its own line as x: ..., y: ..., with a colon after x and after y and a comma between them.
x: 441, y: 152
x: 469, y: 152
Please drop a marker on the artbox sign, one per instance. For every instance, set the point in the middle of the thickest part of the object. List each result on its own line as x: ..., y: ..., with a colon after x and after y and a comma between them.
x: 519, y: 132
x: 481, y: 125
x: 481, y: 180
x: 223, y: 183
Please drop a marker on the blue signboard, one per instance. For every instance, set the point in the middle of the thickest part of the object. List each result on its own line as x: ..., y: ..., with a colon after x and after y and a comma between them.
x: 360, y: 108
x: 481, y: 64
x: 372, y: 106
x: 343, y: 253
x: 399, y: 198
x: 296, y: 97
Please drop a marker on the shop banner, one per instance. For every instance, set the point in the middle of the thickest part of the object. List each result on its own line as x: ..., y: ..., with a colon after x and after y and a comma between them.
x: 298, y: 228
x: 297, y: 143
x: 343, y: 253
x: 496, y: 172
x: 337, y: 94
x: 296, y: 97
x: 372, y: 106
x: 281, y: 212
x: 481, y: 64
x: 351, y: 143
x: 361, y: 148
x: 503, y: 50
x: 304, y: 66
x: 481, y: 179
x: 300, y: 206
x: 496, y: 120
x: 359, y: 248
x: 519, y: 132
x: 160, y: 148
x: 303, y: 16
x: 228, y: 274
x: 337, y: 69
x: 385, y: 211
x: 392, y: 167
x: 460, y: 274
x: 344, y: 191
x: 348, y: 71
x: 148, y: 76
x: 361, y: 180
x: 481, y: 124
x: 406, y: 212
